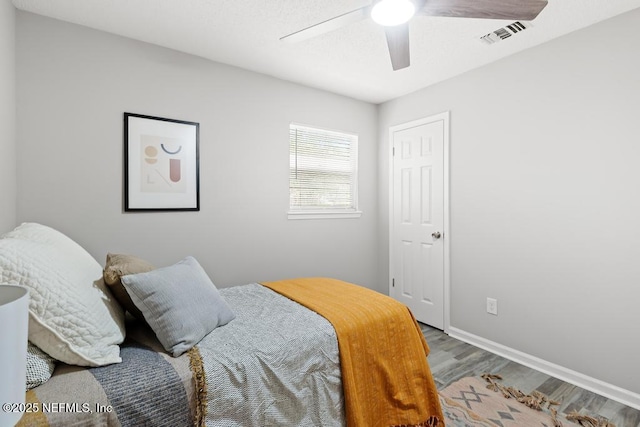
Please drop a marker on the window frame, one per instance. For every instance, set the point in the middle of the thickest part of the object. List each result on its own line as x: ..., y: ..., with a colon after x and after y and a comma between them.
x: 328, y: 213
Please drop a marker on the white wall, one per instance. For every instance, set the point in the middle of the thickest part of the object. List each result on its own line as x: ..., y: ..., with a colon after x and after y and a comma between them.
x: 75, y: 84
x: 544, y: 177
x: 545, y: 198
x: 7, y: 116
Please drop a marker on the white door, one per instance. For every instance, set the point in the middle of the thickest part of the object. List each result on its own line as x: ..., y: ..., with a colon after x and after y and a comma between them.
x: 418, y: 217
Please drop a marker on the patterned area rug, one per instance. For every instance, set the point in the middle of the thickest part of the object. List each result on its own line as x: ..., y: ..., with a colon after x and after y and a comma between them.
x: 468, y: 403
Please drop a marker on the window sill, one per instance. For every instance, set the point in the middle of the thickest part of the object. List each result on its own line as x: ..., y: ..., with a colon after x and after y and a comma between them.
x: 323, y: 214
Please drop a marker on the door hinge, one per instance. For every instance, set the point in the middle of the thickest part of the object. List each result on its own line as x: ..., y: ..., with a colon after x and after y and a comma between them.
x: 393, y: 283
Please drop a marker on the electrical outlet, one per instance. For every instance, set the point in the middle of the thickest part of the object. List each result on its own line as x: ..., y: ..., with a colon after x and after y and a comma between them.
x: 492, y: 306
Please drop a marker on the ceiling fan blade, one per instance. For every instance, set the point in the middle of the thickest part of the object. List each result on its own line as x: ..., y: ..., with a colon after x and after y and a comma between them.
x: 525, y: 10
x: 328, y: 25
x: 398, y: 42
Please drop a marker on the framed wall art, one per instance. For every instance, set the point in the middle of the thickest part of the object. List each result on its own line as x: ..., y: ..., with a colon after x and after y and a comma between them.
x: 161, y: 164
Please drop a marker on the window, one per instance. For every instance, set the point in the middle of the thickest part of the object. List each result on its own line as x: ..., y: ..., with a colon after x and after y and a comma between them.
x: 323, y: 173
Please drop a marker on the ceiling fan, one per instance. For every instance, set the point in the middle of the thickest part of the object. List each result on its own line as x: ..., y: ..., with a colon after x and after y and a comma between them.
x: 395, y: 14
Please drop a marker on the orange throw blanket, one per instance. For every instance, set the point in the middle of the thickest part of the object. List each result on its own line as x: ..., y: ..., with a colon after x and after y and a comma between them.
x: 383, y: 354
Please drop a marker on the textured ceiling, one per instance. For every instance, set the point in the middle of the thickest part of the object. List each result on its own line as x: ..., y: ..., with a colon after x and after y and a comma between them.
x: 352, y: 61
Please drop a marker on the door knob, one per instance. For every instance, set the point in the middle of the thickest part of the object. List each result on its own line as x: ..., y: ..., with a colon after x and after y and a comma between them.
x: 436, y: 235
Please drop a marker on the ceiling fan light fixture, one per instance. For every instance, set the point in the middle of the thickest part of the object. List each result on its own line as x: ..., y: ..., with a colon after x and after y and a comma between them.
x: 392, y: 12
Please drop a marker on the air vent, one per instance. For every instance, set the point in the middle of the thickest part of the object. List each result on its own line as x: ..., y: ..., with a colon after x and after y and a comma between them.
x: 505, y: 32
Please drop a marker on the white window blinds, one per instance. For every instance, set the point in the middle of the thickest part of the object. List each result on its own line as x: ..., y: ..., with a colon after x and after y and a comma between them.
x: 322, y: 170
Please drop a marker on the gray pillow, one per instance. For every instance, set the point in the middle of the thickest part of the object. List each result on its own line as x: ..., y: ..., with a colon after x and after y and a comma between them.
x: 179, y: 302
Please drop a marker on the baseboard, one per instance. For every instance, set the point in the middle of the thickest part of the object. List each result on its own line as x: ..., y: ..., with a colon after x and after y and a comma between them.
x: 602, y: 388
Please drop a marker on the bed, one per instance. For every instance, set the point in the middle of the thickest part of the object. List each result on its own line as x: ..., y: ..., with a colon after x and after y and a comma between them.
x: 292, y: 355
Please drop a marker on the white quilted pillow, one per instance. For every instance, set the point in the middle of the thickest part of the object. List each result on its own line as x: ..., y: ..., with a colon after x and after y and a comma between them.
x: 72, y: 315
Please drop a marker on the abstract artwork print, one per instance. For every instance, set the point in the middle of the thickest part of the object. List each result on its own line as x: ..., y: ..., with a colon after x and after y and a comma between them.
x: 162, y: 159
x: 161, y: 170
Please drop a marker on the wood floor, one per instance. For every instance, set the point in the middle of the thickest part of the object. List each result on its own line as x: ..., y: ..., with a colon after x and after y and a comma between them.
x: 451, y: 359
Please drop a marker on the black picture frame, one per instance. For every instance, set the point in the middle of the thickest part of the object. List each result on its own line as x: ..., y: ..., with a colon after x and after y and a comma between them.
x: 161, y: 164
